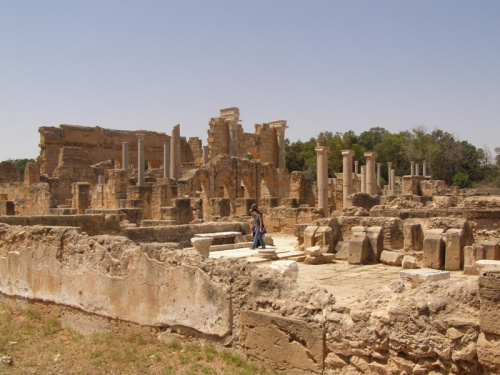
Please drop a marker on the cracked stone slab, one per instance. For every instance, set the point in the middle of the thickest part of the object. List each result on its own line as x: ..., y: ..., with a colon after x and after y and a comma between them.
x: 423, y: 275
x: 291, y: 343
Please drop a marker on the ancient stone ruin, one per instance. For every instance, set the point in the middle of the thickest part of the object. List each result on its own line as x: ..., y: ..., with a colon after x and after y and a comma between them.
x: 154, y: 229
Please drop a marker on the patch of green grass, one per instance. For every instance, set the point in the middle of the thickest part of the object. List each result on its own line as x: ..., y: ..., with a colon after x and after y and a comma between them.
x: 174, y: 345
x: 33, y: 314
x: 52, y: 326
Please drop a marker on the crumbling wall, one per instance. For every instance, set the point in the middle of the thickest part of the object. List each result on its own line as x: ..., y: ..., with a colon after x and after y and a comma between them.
x: 439, y: 327
x: 8, y: 172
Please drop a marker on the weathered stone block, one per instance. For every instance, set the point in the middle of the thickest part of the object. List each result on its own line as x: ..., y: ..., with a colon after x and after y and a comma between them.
x: 491, y: 250
x: 424, y: 274
x: 454, y: 249
x: 391, y: 258
x: 324, y: 238
x: 289, y: 343
x: 413, y: 236
x: 488, y: 347
x: 489, y: 292
x: 409, y: 262
x: 359, y: 246
x: 289, y: 268
x: 310, y: 236
x: 471, y: 255
x: 433, y: 249
x: 342, y: 250
x: 375, y: 236
x: 243, y: 206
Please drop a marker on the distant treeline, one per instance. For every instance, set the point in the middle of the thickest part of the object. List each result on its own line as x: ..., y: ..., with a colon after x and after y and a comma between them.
x: 456, y: 162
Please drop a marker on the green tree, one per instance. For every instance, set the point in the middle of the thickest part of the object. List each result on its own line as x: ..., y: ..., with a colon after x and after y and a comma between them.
x: 462, y: 180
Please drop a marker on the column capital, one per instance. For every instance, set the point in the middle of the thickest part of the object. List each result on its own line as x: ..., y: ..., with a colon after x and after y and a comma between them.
x: 348, y: 152
x: 370, y: 155
x: 379, y: 165
x: 279, y: 126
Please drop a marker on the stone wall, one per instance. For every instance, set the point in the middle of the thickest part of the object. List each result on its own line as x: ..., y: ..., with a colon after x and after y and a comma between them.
x: 98, y: 144
x: 8, y: 172
x: 441, y: 327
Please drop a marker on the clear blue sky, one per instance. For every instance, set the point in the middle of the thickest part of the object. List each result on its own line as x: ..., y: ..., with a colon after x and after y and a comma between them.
x: 321, y: 65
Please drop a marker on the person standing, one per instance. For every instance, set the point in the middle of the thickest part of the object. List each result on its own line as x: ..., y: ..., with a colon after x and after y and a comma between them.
x: 257, y: 228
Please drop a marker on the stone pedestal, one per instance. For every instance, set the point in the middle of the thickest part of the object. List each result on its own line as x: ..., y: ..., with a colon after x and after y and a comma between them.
x: 359, y: 246
x: 267, y: 253
x: 454, y: 249
x: 433, y: 249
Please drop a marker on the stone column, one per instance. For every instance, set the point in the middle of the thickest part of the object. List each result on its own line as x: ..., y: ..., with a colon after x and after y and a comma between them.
x: 233, y: 139
x: 424, y: 168
x: 371, y: 181
x: 205, y: 155
x: 125, y: 156
x: 393, y: 179
x: 166, y: 160
x: 175, y: 153
x: 389, y: 169
x: 346, y: 174
x: 363, y: 178
x: 100, y: 179
x: 280, y: 127
x: 379, y: 170
x: 412, y: 168
x: 322, y: 165
x: 140, y: 161
x: 417, y: 169
x: 356, y: 167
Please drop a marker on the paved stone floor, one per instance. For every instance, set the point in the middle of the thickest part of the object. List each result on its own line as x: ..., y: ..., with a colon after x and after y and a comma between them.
x: 345, y: 281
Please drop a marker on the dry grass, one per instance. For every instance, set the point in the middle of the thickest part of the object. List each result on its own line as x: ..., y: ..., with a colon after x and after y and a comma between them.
x: 38, y: 345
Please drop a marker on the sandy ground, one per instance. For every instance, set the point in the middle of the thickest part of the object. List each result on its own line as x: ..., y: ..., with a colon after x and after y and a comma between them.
x: 343, y: 280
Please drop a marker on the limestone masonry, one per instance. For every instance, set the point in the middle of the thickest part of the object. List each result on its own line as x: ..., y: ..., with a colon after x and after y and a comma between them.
x: 153, y: 229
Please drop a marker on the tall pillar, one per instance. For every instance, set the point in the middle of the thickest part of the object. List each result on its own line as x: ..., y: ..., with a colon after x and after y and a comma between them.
x: 371, y: 181
x: 412, y: 168
x: 232, y: 117
x: 389, y: 175
x: 166, y: 160
x: 346, y: 174
x: 322, y: 165
x: 233, y: 139
x: 424, y: 168
x: 280, y: 127
x: 205, y: 155
x: 417, y: 169
x: 356, y: 167
x: 393, y: 179
x: 379, y: 170
x: 363, y: 179
x: 140, y: 161
x: 125, y: 156
x: 175, y: 153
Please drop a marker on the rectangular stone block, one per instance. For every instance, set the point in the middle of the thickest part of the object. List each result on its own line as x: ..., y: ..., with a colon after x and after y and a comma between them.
x: 489, y: 293
x: 375, y: 236
x: 491, y: 250
x: 391, y: 258
x: 243, y: 206
x: 359, y: 246
x: 424, y: 274
x: 454, y: 249
x: 433, y: 249
x: 289, y: 343
x: 471, y: 255
x: 413, y: 236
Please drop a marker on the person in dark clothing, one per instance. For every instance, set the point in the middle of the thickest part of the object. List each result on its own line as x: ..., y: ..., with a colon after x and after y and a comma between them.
x: 257, y: 227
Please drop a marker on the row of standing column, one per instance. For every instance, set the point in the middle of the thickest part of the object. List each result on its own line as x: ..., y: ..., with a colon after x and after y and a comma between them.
x: 171, y: 157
